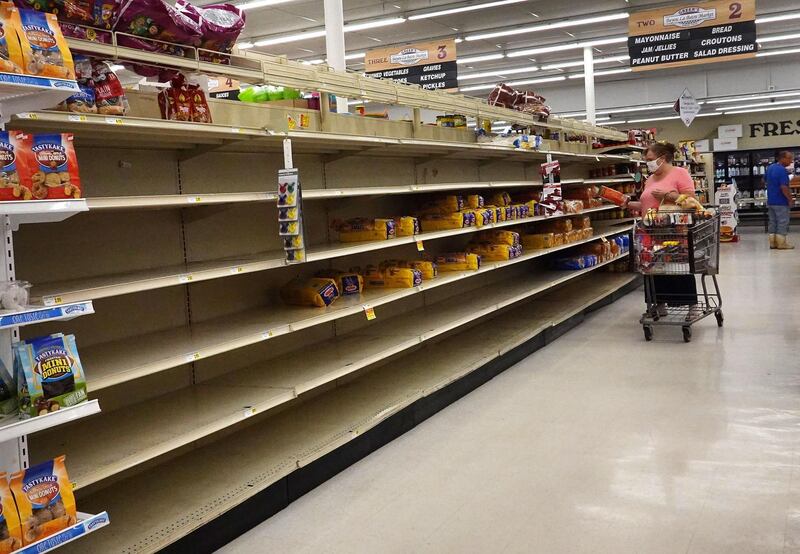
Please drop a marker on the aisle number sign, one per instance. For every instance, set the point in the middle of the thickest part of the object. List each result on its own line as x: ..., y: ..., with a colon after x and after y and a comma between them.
x: 704, y: 32
x: 431, y: 65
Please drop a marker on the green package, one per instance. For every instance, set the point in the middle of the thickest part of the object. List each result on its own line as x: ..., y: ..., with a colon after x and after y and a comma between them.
x: 49, y: 375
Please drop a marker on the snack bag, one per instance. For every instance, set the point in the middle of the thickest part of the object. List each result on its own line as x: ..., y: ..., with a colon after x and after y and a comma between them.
x: 44, y: 49
x: 8, y: 396
x: 200, y: 112
x: 109, y: 94
x: 159, y: 21
x: 11, y: 60
x: 10, y: 529
x: 51, y: 165
x: 44, y: 498
x: 175, y: 104
x: 49, y: 375
x: 220, y: 25
x: 348, y: 283
x: 316, y: 292
x: 13, y: 171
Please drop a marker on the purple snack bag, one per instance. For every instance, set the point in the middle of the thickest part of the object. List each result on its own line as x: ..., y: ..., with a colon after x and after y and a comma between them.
x: 220, y: 25
x: 157, y: 20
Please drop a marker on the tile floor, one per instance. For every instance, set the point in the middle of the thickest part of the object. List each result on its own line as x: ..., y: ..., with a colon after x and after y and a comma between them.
x: 598, y: 443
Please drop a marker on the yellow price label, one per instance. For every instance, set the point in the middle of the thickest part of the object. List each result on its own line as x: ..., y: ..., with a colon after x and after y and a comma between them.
x: 114, y: 121
x: 420, y: 246
x: 194, y: 356
x: 53, y: 300
x: 185, y: 278
x: 370, y: 312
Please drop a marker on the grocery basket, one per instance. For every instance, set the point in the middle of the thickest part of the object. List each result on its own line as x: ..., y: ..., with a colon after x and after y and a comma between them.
x: 679, y: 243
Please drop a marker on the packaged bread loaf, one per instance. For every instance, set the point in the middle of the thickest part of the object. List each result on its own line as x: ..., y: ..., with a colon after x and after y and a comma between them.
x: 442, y: 222
x: 444, y: 205
x: 347, y: 282
x: 457, y: 261
x: 558, y: 239
x: 475, y: 201
x: 499, y: 236
x: 499, y: 199
x: 363, y: 229
x: 538, y: 241
x: 557, y: 225
x: 44, y: 498
x: 318, y: 291
x: 406, y: 226
x: 426, y: 268
x: 495, y: 252
x: 392, y: 277
x: 581, y: 222
x: 10, y: 528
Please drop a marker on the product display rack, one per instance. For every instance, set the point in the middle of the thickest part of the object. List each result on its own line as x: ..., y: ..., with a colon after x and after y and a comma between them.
x: 175, y: 259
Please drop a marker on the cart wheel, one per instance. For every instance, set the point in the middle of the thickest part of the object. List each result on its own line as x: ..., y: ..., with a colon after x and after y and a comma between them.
x: 720, y: 318
x: 648, y: 332
x: 687, y: 334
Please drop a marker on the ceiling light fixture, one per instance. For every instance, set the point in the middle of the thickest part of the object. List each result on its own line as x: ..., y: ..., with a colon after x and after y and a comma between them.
x: 352, y: 27
x: 244, y: 45
x: 774, y: 18
x: 261, y: 4
x: 758, y: 105
x: 535, y: 81
x: 757, y: 96
x: 653, y: 119
x: 601, y: 73
x: 356, y: 56
x: 778, y: 38
x: 482, y: 58
x: 464, y: 9
x: 549, y: 26
x: 778, y: 52
x: 567, y: 46
x: 792, y: 107
x: 579, y: 63
x: 499, y: 73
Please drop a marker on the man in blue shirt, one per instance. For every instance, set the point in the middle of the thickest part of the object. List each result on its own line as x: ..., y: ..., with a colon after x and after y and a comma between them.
x: 779, y: 200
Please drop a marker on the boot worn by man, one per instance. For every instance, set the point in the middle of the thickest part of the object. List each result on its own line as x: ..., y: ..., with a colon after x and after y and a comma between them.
x: 773, y: 242
x: 782, y: 243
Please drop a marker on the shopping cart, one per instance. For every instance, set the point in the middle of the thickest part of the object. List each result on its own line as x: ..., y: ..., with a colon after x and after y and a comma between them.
x: 678, y: 243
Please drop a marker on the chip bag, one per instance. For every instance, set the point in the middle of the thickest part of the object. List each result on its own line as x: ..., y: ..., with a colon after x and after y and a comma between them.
x: 44, y: 50
x: 11, y: 60
x: 10, y: 529
x: 51, y: 165
x: 44, y: 498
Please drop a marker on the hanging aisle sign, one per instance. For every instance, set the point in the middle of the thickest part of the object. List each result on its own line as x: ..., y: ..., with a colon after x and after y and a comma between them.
x: 431, y: 65
x: 691, y: 34
x: 688, y: 107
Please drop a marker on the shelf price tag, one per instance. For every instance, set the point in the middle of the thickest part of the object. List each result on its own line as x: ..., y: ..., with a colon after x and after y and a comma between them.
x: 194, y: 199
x: 369, y: 311
x: 76, y: 117
x: 28, y: 115
x: 420, y: 246
x: 187, y: 278
x: 249, y: 411
x: 236, y: 270
x: 115, y: 121
x: 52, y: 300
x: 235, y: 130
x: 193, y: 357
x: 266, y: 335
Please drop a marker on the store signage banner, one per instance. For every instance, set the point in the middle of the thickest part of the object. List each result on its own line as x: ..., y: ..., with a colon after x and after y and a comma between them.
x: 691, y: 34
x: 224, y: 88
x: 702, y: 146
x: 729, y: 131
x: 726, y: 144
x: 432, y: 65
x: 688, y: 107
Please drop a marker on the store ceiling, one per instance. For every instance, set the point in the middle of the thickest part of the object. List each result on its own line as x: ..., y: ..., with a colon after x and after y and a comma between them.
x: 298, y: 16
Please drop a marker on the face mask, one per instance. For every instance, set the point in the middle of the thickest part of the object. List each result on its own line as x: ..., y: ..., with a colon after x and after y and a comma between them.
x: 653, y: 166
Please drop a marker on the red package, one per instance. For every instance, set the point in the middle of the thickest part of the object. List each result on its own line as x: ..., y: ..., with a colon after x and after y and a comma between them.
x: 12, y: 168
x: 108, y: 92
x: 613, y: 196
x: 502, y: 95
x: 50, y: 165
x: 199, y: 105
x: 175, y: 104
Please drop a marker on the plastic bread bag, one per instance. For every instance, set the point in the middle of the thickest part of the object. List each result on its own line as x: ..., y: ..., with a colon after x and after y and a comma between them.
x: 44, y: 498
x: 475, y: 201
x: 11, y: 59
x: 364, y: 229
x: 538, y: 241
x: 494, y: 252
x: 458, y: 261
x: 456, y: 220
x: 10, y: 528
x: 348, y: 283
x: 444, y: 205
x: 498, y: 236
x: 392, y: 278
x: 317, y: 292
x: 44, y: 50
x: 406, y: 226
x: 109, y: 94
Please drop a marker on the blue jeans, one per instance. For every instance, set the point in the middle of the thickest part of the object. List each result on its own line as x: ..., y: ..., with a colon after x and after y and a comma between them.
x: 779, y: 220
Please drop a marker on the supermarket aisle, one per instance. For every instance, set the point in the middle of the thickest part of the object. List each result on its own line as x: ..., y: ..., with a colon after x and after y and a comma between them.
x: 598, y: 443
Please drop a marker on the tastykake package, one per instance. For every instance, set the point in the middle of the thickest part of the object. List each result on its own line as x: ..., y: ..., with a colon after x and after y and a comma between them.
x: 10, y: 529
x: 44, y: 499
x: 12, y: 168
x: 11, y: 60
x: 44, y: 49
x: 49, y: 375
x: 51, y: 165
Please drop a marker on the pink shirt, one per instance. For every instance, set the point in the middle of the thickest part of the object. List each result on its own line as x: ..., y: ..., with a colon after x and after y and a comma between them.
x: 677, y: 180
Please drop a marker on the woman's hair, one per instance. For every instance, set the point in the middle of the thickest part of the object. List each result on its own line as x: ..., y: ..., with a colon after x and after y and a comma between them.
x: 664, y: 150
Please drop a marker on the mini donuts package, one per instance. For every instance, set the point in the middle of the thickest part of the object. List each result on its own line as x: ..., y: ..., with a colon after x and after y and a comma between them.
x: 13, y: 171
x: 44, y: 50
x: 51, y: 165
x: 10, y: 529
x: 11, y: 60
x: 49, y: 375
x: 44, y: 498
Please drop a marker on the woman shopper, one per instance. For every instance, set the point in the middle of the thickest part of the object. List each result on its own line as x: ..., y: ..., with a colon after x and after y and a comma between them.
x: 664, y: 185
